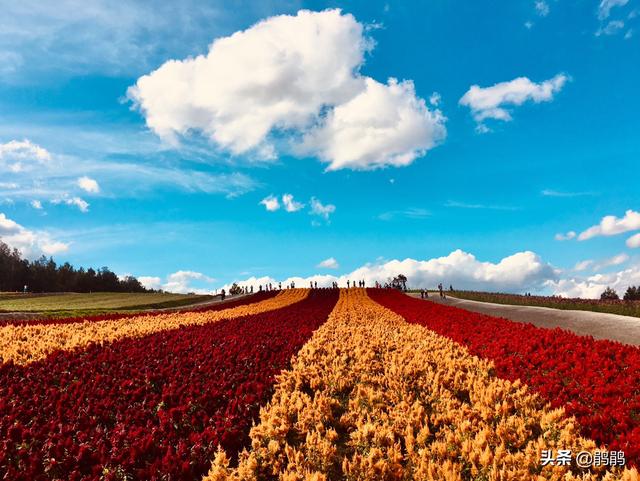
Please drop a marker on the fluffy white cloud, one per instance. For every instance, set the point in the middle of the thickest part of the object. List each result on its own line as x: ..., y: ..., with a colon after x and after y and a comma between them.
x: 568, y: 236
x: 150, y: 282
x: 602, y: 264
x: 517, y: 273
x: 30, y: 243
x: 330, y: 263
x: 278, y: 73
x: 288, y: 77
x: 182, y: 282
x: 22, y: 155
x: 384, y: 125
x: 634, y: 241
x: 611, y: 28
x: 88, y: 184
x: 290, y: 205
x: 491, y: 102
x: 611, y: 225
x: 271, y: 203
x: 604, y: 9
x: 542, y: 8
x: 78, y: 202
x: 36, y: 204
x: 592, y: 286
x: 320, y: 209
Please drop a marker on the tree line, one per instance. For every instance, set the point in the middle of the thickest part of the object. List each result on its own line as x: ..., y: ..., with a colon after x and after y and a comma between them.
x: 44, y: 275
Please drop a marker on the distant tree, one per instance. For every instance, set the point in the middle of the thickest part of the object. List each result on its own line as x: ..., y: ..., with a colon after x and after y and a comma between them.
x: 609, y: 295
x: 399, y: 282
x: 235, y: 289
x: 632, y: 294
x: 44, y: 275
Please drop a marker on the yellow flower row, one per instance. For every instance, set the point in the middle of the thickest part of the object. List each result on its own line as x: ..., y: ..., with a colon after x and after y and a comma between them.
x: 371, y: 397
x: 24, y: 344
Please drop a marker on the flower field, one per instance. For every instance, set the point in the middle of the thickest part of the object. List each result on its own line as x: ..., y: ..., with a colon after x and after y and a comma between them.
x: 596, y: 381
x: 320, y: 384
x: 154, y: 406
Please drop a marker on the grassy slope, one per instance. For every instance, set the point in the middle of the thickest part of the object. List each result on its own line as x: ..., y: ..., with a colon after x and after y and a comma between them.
x: 98, y: 301
x: 612, y: 307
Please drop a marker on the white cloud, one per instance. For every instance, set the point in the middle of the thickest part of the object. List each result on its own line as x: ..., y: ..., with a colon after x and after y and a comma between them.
x: 330, y: 263
x: 634, y: 241
x: 542, y: 8
x: 30, y: 243
x: 150, y: 282
x: 611, y: 28
x: 88, y: 185
x: 45, y: 39
x: 616, y: 260
x: 528, y: 25
x: 629, y: 34
x: 564, y: 237
x: 517, y: 273
x: 604, y: 9
x: 36, y: 204
x: 277, y: 74
x: 78, y: 202
x: 466, y: 205
x: 22, y: 155
x: 290, y: 205
x: 271, y: 203
x: 182, y: 282
x: 611, y: 225
x: 56, y: 175
x: 491, y: 102
x: 410, y: 213
x: 289, y: 77
x: 583, y: 265
x: 384, y: 125
x: 435, y: 99
x: 591, y: 287
x: 520, y: 272
x: 556, y: 193
x: 320, y: 209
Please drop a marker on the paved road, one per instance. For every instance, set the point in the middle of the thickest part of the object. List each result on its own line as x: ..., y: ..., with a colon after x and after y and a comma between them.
x: 624, y: 329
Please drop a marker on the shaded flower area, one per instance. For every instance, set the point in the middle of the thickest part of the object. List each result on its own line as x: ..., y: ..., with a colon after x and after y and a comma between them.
x: 149, y: 408
x: 596, y: 381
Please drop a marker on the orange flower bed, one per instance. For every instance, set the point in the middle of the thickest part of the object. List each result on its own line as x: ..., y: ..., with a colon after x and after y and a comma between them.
x: 372, y: 397
x: 23, y: 344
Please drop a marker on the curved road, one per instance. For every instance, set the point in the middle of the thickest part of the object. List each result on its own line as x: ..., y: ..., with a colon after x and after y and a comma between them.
x: 614, y: 327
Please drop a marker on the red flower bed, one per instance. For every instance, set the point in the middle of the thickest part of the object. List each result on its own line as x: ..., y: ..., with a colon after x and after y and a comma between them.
x: 596, y: 381
x: 260, y: 296
x: 151, y: 408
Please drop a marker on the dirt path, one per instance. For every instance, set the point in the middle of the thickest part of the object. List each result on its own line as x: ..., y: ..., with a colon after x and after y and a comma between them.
x: 624, y: 329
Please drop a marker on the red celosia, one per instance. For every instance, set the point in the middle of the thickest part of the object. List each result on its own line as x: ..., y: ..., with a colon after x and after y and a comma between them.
x: 155, y: 407
x: 596, y: 381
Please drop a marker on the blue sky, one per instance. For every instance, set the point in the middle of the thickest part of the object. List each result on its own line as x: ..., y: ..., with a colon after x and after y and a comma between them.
x: 471, y: 187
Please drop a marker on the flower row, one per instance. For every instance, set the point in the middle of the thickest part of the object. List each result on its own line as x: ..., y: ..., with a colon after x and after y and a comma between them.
x: 149, y: 408
x: 596, y: 381
x: 371, y: 396
x: 259, y: 296
x: 27, y: 343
